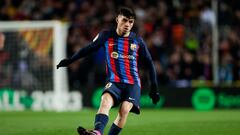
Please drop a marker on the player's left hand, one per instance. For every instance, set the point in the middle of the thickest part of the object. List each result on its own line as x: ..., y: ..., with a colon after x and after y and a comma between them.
x: 155, y: 96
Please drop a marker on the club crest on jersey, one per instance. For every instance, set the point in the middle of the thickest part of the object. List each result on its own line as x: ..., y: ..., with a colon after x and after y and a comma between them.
x: 114, y: 55
x: 108, y: 85
x: 133, y: 46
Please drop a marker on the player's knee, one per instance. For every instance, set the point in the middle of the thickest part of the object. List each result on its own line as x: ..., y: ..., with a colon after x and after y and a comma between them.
x: 105, y: 104
x: 125, y: 108
x: 107, y: 101
x: 124, y: 112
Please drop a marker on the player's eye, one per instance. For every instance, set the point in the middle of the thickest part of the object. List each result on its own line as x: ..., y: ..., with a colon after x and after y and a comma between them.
x: 124, y: 20
x: 131, y: 21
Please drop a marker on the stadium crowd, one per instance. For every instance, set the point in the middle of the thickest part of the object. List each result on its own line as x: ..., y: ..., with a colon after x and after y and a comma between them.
x: 177, y: 32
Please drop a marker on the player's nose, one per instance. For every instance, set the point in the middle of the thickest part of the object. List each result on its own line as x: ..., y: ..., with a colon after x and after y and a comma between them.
x: 127, y: 24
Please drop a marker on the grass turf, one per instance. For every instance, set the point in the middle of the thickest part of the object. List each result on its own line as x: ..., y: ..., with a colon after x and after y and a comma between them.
x: 149, y: 122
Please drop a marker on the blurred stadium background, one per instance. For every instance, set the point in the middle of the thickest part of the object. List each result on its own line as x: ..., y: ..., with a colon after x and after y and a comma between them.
x: 195, y: 45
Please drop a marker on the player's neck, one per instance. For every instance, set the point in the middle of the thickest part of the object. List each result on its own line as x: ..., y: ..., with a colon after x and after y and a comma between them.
x: 120, y: 33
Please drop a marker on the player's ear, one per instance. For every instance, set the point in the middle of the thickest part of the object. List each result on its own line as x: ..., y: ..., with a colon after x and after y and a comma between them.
x: 117, y: 19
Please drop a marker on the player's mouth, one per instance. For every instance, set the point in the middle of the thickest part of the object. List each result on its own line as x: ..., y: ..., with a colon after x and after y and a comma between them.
x: 126, y: 29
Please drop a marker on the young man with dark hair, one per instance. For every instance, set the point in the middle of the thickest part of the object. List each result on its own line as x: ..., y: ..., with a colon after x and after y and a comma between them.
x: 123, y: 49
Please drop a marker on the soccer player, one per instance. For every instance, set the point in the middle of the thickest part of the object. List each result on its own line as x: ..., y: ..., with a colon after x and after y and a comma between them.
x: 123, y: 49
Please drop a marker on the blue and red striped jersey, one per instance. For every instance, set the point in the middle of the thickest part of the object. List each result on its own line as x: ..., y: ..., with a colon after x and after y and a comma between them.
x: 122, y: 56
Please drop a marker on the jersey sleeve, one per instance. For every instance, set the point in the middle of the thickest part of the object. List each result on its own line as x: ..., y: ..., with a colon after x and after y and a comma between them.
x: 95, y: 45
x: 146, y: 56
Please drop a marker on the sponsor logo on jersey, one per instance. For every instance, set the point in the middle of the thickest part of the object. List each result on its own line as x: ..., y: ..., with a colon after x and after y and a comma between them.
x: 131, y: 57
x: 114, y: 55
x: 133, y: 46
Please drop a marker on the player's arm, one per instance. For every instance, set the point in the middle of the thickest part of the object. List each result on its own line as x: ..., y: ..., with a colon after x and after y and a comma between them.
x: 154, y: 93
x: 92, y: 47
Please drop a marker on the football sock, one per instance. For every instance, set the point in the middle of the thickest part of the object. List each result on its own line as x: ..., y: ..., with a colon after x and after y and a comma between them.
x: 114, y: 130
x: 100, y: 122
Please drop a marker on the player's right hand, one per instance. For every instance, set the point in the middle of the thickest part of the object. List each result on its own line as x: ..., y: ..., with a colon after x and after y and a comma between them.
x: 64, y: 63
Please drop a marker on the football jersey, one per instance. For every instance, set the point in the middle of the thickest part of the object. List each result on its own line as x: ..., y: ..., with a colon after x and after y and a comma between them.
x: 122, y: 55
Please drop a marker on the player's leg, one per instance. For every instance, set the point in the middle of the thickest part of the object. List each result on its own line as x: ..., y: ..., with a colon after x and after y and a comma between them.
x: 123, y: 114
x: 106, y: 104
x: 121, y: 118
x: 101, y: 117
x: 110, y: 98
x: 131, y: 99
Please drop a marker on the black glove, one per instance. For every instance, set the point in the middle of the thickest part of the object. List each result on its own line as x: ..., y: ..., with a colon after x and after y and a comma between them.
x: 64, y: 63
x: 155, y: 96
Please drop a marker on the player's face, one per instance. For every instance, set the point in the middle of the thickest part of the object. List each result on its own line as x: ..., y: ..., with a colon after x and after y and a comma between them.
x: 124, y: 24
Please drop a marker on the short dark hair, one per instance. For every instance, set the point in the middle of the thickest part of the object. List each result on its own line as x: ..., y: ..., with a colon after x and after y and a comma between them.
x: 127, y: 12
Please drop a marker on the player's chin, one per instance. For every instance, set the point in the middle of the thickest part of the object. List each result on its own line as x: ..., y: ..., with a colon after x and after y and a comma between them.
x: 126, y: 31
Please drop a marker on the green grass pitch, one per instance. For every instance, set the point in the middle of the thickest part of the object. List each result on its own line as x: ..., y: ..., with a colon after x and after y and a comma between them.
x: 149, y: 122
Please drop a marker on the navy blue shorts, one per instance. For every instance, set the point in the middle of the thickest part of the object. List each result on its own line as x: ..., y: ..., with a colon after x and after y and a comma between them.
x: 124, y: 92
